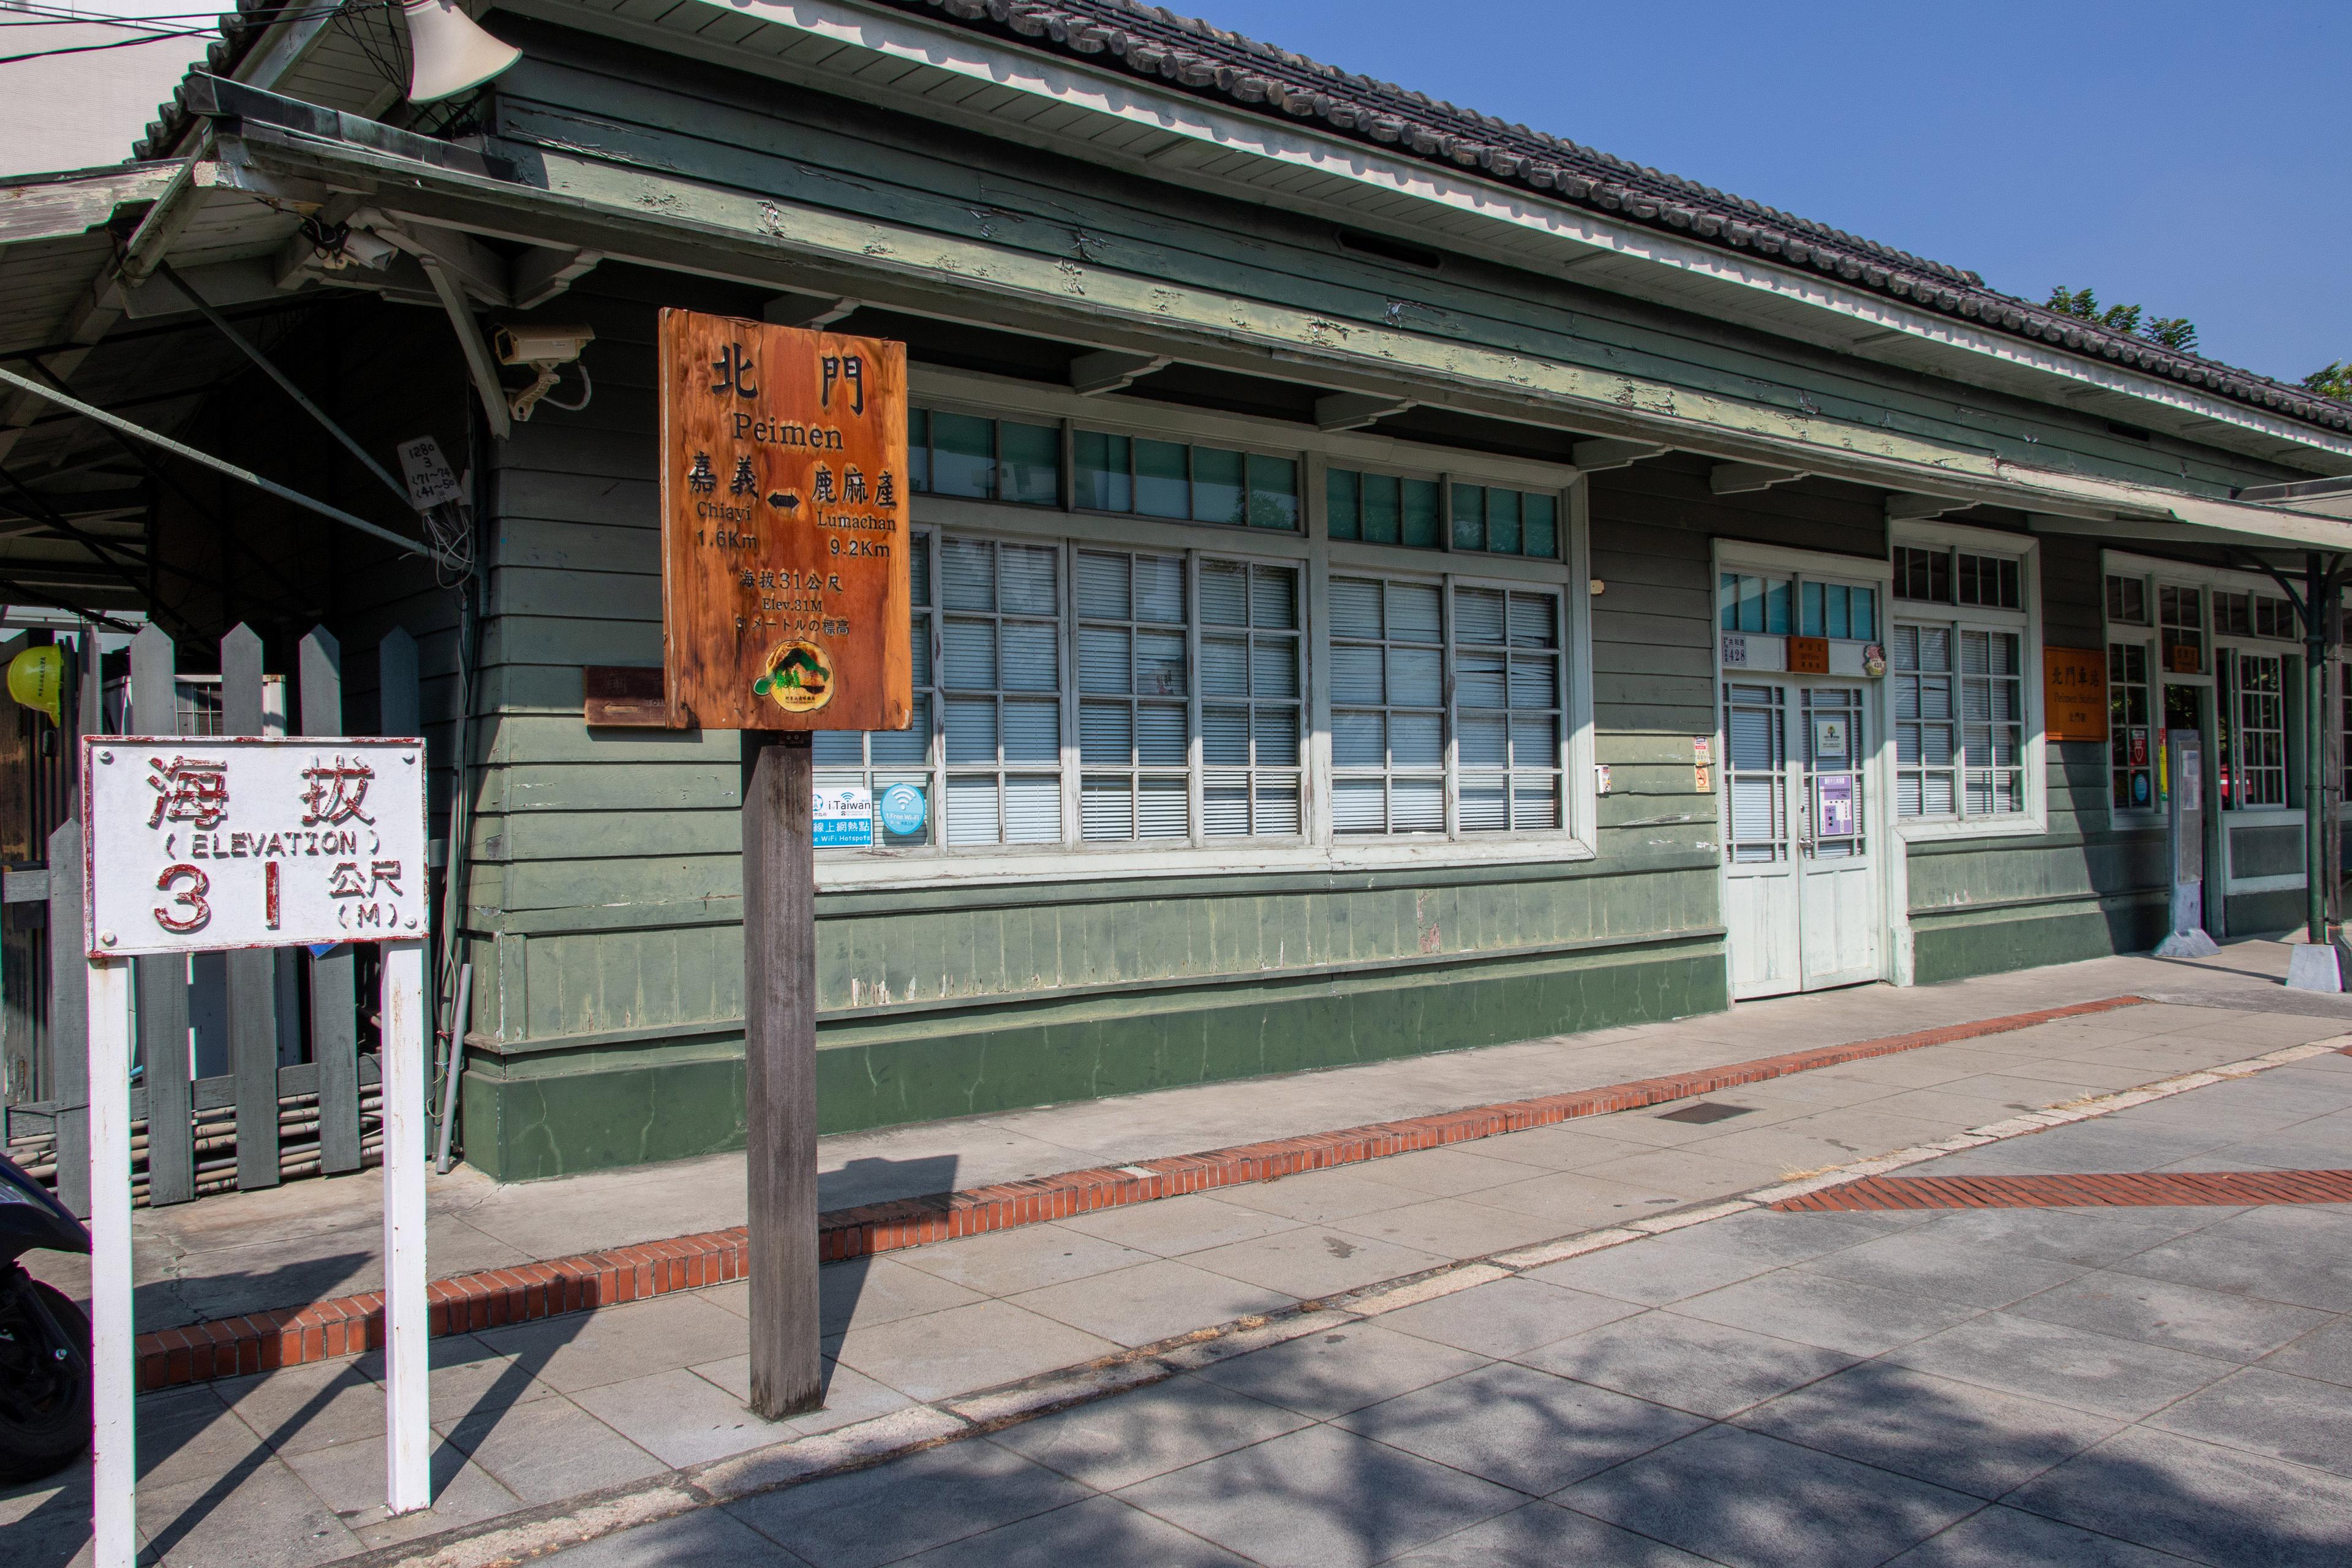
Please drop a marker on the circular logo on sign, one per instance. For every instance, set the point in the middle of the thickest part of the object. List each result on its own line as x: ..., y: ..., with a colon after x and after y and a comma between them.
x: 903, y: 809
x: 2139, y: 789
x: 799, y: 677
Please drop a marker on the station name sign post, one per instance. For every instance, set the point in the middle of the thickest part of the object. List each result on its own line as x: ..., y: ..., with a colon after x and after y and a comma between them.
x: 784, y: 611
x: 207, y: 844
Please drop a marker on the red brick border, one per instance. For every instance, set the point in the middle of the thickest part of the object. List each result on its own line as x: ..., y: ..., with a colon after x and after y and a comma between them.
x: 263, y: 1341
x: 2126, y: 1189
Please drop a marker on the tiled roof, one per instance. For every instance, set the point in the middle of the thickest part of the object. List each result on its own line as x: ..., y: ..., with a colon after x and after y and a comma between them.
x: 1209, y: 62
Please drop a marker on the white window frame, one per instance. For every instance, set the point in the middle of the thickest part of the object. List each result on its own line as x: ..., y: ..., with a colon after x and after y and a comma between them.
x: 1317, y: 556
x: 2033, y: 754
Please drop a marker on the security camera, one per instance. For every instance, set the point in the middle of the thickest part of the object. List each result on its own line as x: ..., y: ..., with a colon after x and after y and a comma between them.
x: 525, y: 344
x: 366, y: 249
x: 543, y: 349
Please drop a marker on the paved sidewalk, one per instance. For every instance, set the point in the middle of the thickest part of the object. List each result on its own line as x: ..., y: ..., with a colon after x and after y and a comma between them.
x: 311, y: 1240
x: 288, y: 1468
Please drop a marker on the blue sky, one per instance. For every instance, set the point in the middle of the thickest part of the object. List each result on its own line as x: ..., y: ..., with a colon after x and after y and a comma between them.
x: 2189, y: 157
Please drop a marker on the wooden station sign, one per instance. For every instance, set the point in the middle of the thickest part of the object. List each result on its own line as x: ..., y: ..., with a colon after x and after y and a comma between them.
x: 784, y: 537
x: 2075, y: 694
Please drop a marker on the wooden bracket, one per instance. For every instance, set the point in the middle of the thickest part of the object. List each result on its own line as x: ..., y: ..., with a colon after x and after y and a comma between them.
x: 1354, y: 410
x: 1739, y: 479
x: 1601, y: 453
x: 809, y: 310
x: 1909, y: 506
x: 1112, y: 370
x: 542, y: 272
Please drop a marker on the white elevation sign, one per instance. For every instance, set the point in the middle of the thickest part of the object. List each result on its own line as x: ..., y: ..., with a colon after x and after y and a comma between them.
x: 201, y: 844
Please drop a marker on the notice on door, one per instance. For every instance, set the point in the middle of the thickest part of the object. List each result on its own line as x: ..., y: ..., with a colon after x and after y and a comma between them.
x: 784, y: 527
x: 1834, y: 805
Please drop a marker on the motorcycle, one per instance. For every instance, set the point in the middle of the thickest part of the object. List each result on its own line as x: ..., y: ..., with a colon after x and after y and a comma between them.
x: 45, y: 1376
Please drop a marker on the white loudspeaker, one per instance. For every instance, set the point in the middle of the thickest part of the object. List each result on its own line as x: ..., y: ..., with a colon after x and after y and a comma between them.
x: 449, y: 51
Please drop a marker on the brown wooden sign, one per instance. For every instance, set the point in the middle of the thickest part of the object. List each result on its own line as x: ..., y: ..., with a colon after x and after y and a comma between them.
x: 784, y: 538
x: 2075, y: 694
x: 1809, y: 656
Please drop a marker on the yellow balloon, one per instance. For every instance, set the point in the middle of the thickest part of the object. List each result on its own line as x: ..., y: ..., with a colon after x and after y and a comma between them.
x: 36, y: 679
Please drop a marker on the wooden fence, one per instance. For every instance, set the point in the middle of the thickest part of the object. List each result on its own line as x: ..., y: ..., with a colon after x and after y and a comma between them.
x: 251, y: 1067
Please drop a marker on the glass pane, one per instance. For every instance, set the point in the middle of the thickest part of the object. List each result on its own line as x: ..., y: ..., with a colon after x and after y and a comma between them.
x: 1162, y: 487
x: 1274, y: 597
x: 1278, y: 737
x: 1479, y: 679
x: 1163, y: 809
x: 1469, y: 517
x: 1355, y: 608
x: 1159, y: 734
x: 1503, y: 522
x: 1106, y: 808
x: 1102, y: 587
x: 1534, y: 620
x: 1224, y: 804
x: 971, y: 810
x: 1225, y: 736
x: 919, y: 449
x: 919, y: 572
x: 1033, y: 731
x: 918, y: 651
x: 1160, y: 589
x: 1775, y: 605
x: 837, y: 749
x: 1414, y: 678
x: 1535, y: 680
x: 1534, y: 743
x: 1225, y: 666
x: 1105, y: 658
x: 1356, y: 806
x: 1417, y: 805
x: 1033, y: 810
x: 968, y: 573
x: 1224, y: 594
x: 1420, y: 519
x: 971, y: 730
x: 1277, y: 805
x: 1029, y: 464
x: 1343, y: 504
x: 1477, y: 616
x: 963, y: 453
x: 1160, y: 664
x: 1813, y: 614
x: 1383, y: 509
x: 1359, y: 740
x: 1481, y: 742
x: 1106, y: 733
x: 1273, y: 493
x: 1217, y: 487
x: 1273, y: 667
x: 1535, y: 804
x: 1416, y: 741
x: 911, y: 744
x: 1484, y: 803
x: 1032, y: 656
x: 1413, y: 611
x: 1101, y: 479
x: 971, y: 649
x: 1542, y: 526
x: 1025, y: 575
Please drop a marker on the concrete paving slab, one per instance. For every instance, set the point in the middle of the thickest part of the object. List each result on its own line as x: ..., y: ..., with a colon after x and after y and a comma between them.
x: 1150, y: 1432
x: 868, y: 1518
x: 1328, y: 1374
x: 1452, y: 1227
x: 1708, y: 1369
x: 2208, y: 1503
x: 708, y: 1535
x: 1573, y: 1201
x: 47, y: 1523
x: 1753, y: 1502
x: 1703, y: 1257
x: 1098, y: 1530
x: 1313, y: 1262
x: 301, y: 1409
x: 2182, y: 1317
x: 2299, y: 1419
x: 582, y: 1349
x: 1174, y: 1226
x: 2099, y: 1373
x: 1004, y: 1262
x: 865, y: 1292
x: 1941, y: 1265
x: 2005, y: 1538
x: 1835, y: 1314
x: 963, y: 1348
x: 1544, y: 1535
x: 1320, y: 1497
x: 681, y: 1418
x: 1450, y: 1172
x: 466, y: 1374
x: 1528, y: 1430
x: 849, y: 1395
x: 549, y: 1449
x: 1156, y: 1299
x: 212, y: 1523
x: 2239, y: 1255
x: 190, y: 1435
x: 2326, y: 1353
x: 1953, y: 1434
x: 349, y: 1479
x: 1699, y: 1172
x: 1506, y: 1317
x: 1317, y: 1198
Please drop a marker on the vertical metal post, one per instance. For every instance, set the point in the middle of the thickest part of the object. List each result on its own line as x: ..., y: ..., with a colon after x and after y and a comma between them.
x: 253, y: 973
x: 334, y: 980
x: 114, y: 1363
x: 69, y: 1014
x: 162, y: 980
x: 779, y: 1072
x: 408, y: 1446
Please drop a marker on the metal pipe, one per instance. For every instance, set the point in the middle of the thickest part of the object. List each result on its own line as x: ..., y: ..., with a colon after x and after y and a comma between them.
x: 456, y: 1066
x: 178, y: 449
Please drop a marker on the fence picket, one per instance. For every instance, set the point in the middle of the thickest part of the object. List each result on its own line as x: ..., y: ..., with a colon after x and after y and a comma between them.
x: 162, y: 981
x: 334, y: 1024
x: 252, y: 975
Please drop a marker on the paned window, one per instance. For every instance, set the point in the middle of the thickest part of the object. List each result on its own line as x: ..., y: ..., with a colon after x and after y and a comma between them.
x: 2181, y: 620
x: 1753, y: 604
x: 1959, y: 721
x: 1252, y: 681
x: 1134, y: 699
x: 2254, y: 751
x: 1382, y: 508
x: 1390, y: 718
x: 1498, y: 521
x: 880, y: 758
x: 1000, y: 675
x: 1942, y: 575
x: 1837, y: 610
x: 1185, y: 483
x: 2253, y: 616
x: 985, y: 459
x: 2131, y: 733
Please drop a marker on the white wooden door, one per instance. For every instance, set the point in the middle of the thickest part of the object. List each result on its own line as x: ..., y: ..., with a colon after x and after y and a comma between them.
x: 1801, y: 900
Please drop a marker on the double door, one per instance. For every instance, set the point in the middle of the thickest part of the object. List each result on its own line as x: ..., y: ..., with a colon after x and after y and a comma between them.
x: 1803, y: 902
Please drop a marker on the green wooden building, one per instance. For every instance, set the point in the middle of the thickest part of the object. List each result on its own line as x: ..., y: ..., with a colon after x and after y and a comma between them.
x: 1387, y: 581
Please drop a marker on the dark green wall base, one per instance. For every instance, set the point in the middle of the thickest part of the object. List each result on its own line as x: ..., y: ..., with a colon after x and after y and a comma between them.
x: 1953, y: 945
x: 2258, y: 914
x: 555, y: 1122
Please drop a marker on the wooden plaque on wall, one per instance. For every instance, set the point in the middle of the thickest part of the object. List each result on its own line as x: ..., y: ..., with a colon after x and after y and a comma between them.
x: 784, y: 537
x: 2075, y: 694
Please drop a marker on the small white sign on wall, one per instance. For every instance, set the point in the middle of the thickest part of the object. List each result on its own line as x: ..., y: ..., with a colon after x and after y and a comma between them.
x: 197, y: 844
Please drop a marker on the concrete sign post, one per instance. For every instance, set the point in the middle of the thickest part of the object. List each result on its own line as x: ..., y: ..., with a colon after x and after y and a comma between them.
x: 786, y: 501
x: 2184, y: 767
x: 206, y: 844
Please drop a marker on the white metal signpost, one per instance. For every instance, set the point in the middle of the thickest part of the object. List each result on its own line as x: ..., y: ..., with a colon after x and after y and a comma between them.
x: 206, y: 844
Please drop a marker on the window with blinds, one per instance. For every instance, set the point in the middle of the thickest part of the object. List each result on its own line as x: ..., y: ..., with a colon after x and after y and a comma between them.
x: 1000, y: 679
x: 2253, y: 745
x: 1959, y: 721
x: 880, y: 758
x: 1393, y: 648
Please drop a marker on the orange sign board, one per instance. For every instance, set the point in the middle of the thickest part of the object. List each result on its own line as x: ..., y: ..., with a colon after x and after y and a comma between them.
x: 784, y: 536
x: 1809, y: 656
x: 2075, y: 694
